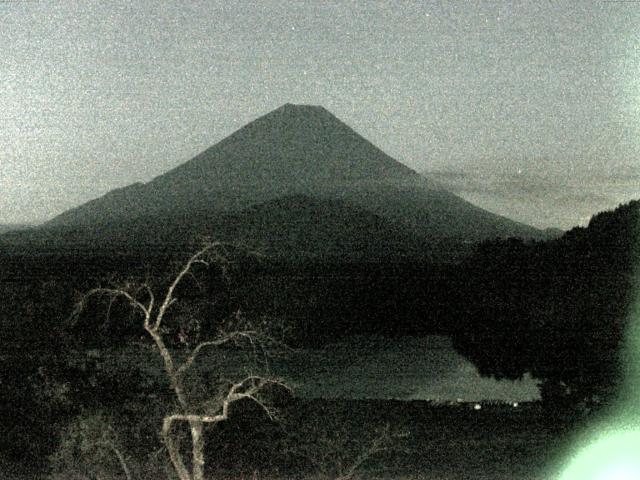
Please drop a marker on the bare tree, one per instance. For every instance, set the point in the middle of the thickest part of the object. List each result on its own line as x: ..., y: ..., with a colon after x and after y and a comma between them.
x: 190, y: 410
x: 91, y: 436
x: 337, y: 453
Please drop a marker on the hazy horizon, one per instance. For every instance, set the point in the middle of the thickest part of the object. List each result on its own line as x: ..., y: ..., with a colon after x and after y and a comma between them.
x: 99, y: 96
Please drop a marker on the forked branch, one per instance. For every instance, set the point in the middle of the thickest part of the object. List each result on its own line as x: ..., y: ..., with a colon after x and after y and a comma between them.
x: 248, y: 388
x: 169, y: 299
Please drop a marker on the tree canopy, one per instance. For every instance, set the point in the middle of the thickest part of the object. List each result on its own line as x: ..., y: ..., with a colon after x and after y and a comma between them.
x: 556, y: 309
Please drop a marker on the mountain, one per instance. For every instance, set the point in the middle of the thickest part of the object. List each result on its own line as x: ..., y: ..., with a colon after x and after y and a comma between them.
x: 295, y: 152
x: 294, y: 149
x: 10, y: 227
x: 312, y: 228
x: 292, y: 226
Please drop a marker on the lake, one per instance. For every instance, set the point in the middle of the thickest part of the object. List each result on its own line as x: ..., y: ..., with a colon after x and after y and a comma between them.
x: 371, y: 367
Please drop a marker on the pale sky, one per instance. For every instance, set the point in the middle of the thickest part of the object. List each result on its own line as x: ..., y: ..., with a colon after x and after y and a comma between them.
x: 95, y: 95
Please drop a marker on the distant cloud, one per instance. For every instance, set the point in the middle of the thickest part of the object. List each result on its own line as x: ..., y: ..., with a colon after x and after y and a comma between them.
x: 542, y: 200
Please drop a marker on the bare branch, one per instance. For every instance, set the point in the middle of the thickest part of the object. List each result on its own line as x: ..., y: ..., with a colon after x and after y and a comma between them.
x: 336, y: 456
x: 147, y: 289
x: 169, y: 299
x: 247, y: 388
x: 141, y: 297
x: 225, y: 338
x: 113, y: 293
x: 195, y: 421
x: 121, y: 459
x: 257, y: 383
x: 380, y: 444
x: 112, y: 300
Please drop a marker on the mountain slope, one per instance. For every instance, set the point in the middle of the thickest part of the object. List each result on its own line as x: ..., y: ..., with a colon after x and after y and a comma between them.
x: 296, y: 150
x: 294, y: 226
x: 312, y: 228
x: 10, y: 227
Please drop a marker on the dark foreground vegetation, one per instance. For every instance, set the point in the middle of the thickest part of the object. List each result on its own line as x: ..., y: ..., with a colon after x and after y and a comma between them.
x: 555, y: 309
x: 325, y: 439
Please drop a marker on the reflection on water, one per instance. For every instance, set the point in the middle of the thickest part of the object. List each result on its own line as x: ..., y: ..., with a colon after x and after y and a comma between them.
x: 403, y: 368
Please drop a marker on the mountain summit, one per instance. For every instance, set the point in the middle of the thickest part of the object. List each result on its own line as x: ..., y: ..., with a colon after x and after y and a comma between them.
x: 296, y: 150
x: 293, y: 149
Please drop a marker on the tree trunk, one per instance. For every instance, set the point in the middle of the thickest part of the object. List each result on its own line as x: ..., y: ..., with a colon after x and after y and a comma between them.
x: 174, y: 453
x: 197, y: 452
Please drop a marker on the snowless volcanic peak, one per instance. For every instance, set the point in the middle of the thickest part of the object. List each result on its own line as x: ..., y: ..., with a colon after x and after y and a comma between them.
x: 297, y: 150
x: 293, y: 149
x: 292, y: 146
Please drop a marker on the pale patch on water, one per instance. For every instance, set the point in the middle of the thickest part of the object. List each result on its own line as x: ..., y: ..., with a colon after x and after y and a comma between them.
x: 405, y: 368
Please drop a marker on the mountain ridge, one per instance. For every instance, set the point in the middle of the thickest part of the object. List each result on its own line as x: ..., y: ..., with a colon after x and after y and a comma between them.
x: 294, y: 226
x: 297, y: 150
x: 10, y: 227
x: 293, y: 149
